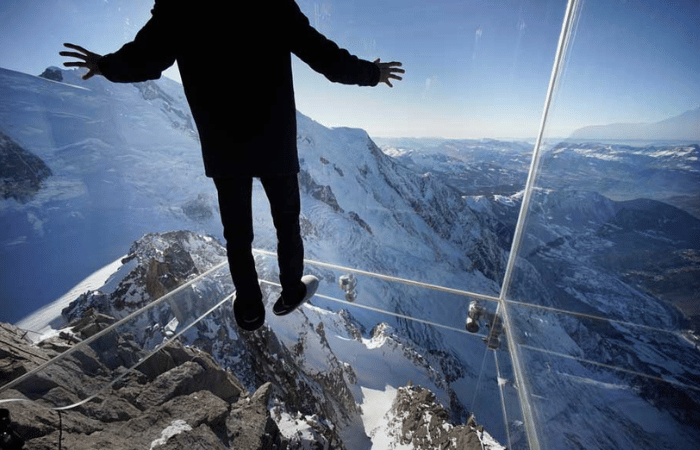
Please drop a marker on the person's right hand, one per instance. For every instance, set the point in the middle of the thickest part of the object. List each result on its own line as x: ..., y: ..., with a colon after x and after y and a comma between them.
x: 89, y: 60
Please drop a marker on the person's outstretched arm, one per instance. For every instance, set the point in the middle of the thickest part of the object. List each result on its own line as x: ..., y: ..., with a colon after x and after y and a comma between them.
x: 325, y: 57
x: 145, y: 58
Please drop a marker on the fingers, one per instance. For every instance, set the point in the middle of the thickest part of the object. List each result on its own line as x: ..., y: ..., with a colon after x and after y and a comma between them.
x: 86, y: 59
x: 73, y: 55
x: 389, y: 70
x: 75, y: 64
x: 84, y: 55
x: 76, y: 47
x: 392, y: 64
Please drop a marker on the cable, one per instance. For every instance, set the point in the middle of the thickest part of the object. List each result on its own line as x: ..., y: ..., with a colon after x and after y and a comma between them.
x: 388, y: 313
x: 609, y: 366
x: 593, y: 317
x: 400, y: 316
x: 475, y: 295
x: 435, y: 287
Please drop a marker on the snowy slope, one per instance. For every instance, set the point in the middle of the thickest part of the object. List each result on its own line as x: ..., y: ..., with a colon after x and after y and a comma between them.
x: 126, y: 163
x: 475, y: 167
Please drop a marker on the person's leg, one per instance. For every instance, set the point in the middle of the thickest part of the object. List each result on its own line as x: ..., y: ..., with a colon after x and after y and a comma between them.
x: 235, y: 197
x: 283, y: 194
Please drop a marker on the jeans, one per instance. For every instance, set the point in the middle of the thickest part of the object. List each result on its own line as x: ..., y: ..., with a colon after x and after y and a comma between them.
x: 235, y: 197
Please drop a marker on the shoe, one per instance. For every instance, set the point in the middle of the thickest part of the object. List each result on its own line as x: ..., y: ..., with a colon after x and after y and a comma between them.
x: 249, y: 315
x: 310, y: 284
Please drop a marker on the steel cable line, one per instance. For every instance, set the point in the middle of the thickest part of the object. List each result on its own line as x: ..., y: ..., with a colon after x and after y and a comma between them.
x: 205, y: 274
x: 384, y: 277
x: 470, y: 294
x: 608, y: 366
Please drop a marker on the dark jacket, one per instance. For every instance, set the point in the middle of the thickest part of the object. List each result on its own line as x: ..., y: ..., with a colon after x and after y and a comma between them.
x: 235, y: 65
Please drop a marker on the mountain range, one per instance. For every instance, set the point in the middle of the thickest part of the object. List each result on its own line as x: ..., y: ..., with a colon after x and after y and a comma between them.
x: 125, y: 170
x: 683, y: 127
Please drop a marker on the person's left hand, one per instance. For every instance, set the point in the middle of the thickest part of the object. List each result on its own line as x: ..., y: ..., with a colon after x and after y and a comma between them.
x: 89, y: 60
x: 388, y: 71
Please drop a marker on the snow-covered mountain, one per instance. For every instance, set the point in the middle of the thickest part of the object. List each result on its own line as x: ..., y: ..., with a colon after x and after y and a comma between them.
x: 333, y: 383
x: 114, y: 149
x: 125, y: 162
x: 632, y: 261
x: 668, y: 173
x: 475, y: 167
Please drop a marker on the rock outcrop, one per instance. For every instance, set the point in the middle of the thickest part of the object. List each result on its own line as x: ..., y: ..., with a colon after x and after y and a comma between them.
x: 52, y: 73
x: 424, y: 423
x: 180, y: 399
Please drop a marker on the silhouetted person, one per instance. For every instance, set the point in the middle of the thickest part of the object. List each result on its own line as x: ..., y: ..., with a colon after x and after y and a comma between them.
x: 235, y: 64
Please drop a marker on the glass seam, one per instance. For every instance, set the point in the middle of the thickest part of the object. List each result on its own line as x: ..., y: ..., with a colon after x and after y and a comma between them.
x: 568, y: 24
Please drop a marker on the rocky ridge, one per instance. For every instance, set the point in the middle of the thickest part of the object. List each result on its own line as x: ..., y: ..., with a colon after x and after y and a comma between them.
x: 422, y: 422
x: 179, y: 399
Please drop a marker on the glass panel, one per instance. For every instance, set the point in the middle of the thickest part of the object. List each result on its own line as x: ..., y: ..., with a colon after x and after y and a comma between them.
x: 112, y: 162
x: 603, y: 297
x: 462, y: 120
x: 424, y: 324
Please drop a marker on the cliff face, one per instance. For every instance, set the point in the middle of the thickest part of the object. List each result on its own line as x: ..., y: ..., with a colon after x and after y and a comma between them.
x: 179, y: 399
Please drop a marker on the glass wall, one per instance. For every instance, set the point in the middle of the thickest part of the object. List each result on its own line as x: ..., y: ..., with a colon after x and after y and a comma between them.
x: 513, y: 226
x: 602, y: 298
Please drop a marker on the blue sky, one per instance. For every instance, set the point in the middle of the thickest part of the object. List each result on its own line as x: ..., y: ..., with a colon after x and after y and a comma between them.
x: 475, y: 68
